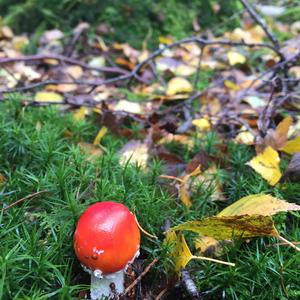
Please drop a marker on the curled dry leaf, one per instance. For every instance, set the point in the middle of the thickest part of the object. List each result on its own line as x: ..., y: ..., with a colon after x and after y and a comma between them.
x: 258, y: 204
x: 267, y: 165
x: 134, y: 152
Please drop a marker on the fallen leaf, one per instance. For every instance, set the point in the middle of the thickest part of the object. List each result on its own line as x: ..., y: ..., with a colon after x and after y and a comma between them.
x: 80, y: 113
x: 178, y: 85
x: 61, y: 88
x: 180, y: 253
x: 74, y: 71
x: 48, y: 97
x: 128, y: 106
x: 231, y: 85
x: 245, y: 137
x: 292, y: 146
x: 224, y: 228
x: 259, y: 204
x: 235, y: 58
x: 209, y: 246
x: 202, y: 123
x: 100, y: 135
x: 267, y: 165
x: 184, y: 193
x: 134, y: 152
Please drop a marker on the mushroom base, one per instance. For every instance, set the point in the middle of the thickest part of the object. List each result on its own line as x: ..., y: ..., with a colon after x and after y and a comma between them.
x: 106, y: 286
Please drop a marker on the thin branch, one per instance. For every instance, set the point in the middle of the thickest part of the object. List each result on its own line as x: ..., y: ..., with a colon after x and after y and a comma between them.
x: 137, y: 280
x: 261, y: 22
x: 61, y: 58
x: 23, y: 199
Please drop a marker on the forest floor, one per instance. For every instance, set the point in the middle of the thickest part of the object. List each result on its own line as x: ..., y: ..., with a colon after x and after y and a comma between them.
x: 176, y: 135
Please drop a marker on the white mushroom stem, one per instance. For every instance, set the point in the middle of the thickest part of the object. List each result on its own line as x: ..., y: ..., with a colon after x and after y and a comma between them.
x: 106, y: 286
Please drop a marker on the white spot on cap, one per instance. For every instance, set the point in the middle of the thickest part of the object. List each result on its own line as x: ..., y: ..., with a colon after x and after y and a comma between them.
x: 98, y: 273
x: 98, y: 251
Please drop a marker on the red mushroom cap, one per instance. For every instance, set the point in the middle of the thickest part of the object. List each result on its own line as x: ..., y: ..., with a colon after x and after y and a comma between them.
x: 107, y: 237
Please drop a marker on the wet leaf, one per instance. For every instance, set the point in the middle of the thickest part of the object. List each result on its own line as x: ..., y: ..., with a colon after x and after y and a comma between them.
x: 224, y: 228
x: 259, y: 204
x: 267, y: 165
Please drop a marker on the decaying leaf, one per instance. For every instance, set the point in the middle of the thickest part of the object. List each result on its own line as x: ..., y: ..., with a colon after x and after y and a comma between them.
x: 292, y: 146
x: 224, y: 228
x: 48, y: 97
x: 245, y: 137
x: 258, y: 204
x: 184, y: 193
x: 209, y: 246
x: 178, y: 85
x: 135, y: 152
x: 267, y: 165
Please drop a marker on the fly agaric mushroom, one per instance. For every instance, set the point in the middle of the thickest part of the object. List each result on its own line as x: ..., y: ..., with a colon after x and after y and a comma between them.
x: 106, y: 240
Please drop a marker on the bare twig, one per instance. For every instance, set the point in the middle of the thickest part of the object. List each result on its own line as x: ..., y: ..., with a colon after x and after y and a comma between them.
x: 261, y: 22
x: 137, y: 280
x: 23, y: 199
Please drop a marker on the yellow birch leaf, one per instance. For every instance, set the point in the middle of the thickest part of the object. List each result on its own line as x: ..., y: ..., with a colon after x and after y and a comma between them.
x: 283, y: 127
x: 209, y: 246
x: 231, y: 85
x: 267, y: 165
x: 202, y: 124
x: 235, y: 58
x: 79, y: 115
x: 292, y: 146
x: 226, y: 227
x: 48, y: 97
x: 258, y: 204
x: 178, y: 85
x: 100, y: 135
x: 180, y: 253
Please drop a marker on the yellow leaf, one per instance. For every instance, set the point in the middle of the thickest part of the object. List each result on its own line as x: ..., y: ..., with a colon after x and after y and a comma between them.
x: 209, y: 246
x: 47, y: 97
x: 100, y: 135
x: 283, y: 127
x: 178, y: 85
x: 79, y: 115
x: 258, y: 204
x: 165, y: 40
x: 226, y: 227
x: 231, y: 85
x: 128, y: 106
x: 292, y: 146
x: 202, y: 124
x: 267, y: 165
x: 180, y: 253
x: 235, y: 58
